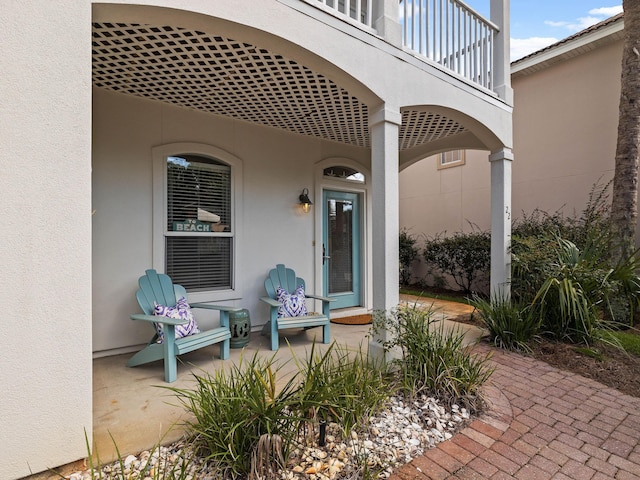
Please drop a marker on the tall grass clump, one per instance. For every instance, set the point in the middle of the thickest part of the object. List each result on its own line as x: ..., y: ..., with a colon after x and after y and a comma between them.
x: 247, y: 419
x: 343, y: 385
x: 510, y: 325
x: 431, y: 358
x: 237, y: 410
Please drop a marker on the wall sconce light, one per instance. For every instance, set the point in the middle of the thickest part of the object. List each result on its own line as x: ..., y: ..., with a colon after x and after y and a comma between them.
x: 304, y: 201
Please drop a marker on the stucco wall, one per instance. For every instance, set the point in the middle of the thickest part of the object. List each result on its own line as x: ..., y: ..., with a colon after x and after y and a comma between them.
x: 271, y: 229
x: 45, y: 285
x: 433, y: 201
x: 454, y: 199
x: 565, y: 129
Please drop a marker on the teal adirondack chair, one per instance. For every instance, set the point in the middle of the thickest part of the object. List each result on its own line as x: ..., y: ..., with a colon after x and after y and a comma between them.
x: 286, y: 278
x: 159, y: 288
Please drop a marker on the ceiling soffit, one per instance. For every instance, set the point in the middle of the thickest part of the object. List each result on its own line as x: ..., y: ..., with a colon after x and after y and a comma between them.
x: 222, y: 76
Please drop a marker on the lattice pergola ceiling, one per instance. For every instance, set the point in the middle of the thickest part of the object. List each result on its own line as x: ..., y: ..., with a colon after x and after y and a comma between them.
x: 225, y: 77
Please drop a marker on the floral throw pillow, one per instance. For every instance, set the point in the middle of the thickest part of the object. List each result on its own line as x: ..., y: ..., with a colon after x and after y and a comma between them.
x: 293, y: 304
x: 181, y: 311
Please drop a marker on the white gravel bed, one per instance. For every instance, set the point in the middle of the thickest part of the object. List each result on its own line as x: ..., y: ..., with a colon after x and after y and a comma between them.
x: 398, y: 434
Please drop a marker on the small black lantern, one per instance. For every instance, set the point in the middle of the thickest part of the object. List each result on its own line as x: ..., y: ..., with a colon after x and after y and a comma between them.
x: 304, y: 200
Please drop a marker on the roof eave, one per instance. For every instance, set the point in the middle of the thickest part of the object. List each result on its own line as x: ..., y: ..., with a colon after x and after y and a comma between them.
x: 568, y: 49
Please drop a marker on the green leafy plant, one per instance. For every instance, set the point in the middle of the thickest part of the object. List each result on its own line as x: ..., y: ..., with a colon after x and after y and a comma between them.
x: 563, y: 267
x: 408, y: 253
x: 510, y: 326
x: 432, y: 359
x: 237, y: 410
x: 466, y: 257
x: 245, y: 421
x: 568, y: 301
x: 342, y: 385
x: 534, y: 241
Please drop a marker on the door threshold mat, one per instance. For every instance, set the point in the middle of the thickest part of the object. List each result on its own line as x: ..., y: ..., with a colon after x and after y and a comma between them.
x: 353, y: 320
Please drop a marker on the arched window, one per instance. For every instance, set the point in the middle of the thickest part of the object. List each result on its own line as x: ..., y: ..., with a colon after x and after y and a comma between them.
x: 197, y: 199
x: 344, y: 173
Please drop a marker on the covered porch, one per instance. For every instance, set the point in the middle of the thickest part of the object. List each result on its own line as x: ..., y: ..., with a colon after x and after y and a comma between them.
x: 276, y: 93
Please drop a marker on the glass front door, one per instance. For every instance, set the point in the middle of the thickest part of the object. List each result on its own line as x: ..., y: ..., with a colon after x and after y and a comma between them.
x: 341, y: 248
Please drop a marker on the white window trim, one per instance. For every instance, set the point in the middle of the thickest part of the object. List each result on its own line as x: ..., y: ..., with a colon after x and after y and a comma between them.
x: 462, y: 157
x: 159, y: 155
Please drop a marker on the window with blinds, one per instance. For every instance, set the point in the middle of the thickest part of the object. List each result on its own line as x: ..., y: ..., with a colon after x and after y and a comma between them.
x: 452, y: 158
x: 199, y: 231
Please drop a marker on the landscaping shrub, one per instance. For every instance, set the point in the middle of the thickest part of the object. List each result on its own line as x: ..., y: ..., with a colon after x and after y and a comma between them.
x: 408, y: 253
x: 533, y: 252
x: 572, y: 300
x: 343, y: 386
x: 568, y: 263
x: 534, y: 241
x: 244, y: 423
x: 466, y: 257
x: 433, y: 359
x: 234, y: 408
x: 510, y: 325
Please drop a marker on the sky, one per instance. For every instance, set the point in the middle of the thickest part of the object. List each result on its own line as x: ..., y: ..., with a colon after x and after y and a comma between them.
x: 536, y: 24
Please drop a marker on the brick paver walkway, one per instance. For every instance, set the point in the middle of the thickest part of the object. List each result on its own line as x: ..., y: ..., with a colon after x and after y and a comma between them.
x: 542, y: 423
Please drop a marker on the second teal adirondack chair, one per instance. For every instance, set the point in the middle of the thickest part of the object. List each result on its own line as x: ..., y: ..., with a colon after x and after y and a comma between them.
x: 159, y: 288
x: 286, y: 278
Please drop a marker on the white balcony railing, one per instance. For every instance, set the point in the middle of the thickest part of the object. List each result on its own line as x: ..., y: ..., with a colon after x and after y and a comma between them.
x: 448, y: 32
x: 358, y: 10
x: 451, y: 34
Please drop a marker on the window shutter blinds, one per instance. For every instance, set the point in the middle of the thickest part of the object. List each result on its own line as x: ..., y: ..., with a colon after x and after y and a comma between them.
x: 199, y: 260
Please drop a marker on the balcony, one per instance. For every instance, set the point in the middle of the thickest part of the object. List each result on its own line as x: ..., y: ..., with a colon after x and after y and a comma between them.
x: 446, y: 32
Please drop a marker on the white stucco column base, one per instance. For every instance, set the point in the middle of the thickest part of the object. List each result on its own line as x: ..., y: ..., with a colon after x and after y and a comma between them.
x: 501, y: 223
x: 384, y: 124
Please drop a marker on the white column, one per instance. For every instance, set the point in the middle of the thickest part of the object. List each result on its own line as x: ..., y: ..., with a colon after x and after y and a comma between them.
x: 384, y: 125
x: 501, y: 222
x: 501, y: 62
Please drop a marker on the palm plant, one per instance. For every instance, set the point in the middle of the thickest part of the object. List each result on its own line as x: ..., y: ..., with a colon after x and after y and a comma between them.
x: 583, y: 285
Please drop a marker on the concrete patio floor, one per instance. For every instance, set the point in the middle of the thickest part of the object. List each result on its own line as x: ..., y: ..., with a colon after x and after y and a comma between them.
x: 134, y: 410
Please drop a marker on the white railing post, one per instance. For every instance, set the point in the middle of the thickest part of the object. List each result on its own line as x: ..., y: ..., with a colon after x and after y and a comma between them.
x: 501, y: 62
x: 358, y: 10
x: 385, y: 21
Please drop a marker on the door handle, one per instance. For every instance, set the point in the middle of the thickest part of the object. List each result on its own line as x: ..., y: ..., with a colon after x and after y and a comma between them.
x: 324, y: 254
